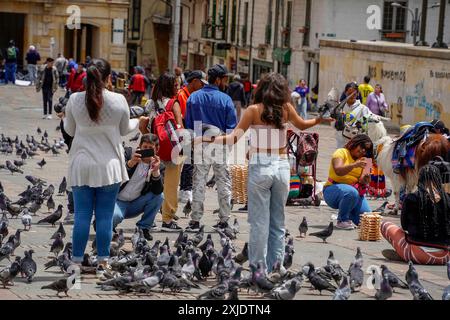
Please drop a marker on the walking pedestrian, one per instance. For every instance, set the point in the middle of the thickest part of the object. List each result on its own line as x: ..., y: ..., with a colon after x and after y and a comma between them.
x: 269, y: 168
x: 32, y: 58
x: 303, y: 90
x: 138, y: 85
x: 76, y: 79
x: 365, y: 89
x: 237, y: 94
x: 376, y: 101
x: 61, y: 64
x: 47, y: 81
x: 211, y: 107
x: 97, y: 119
x: 12, y: 52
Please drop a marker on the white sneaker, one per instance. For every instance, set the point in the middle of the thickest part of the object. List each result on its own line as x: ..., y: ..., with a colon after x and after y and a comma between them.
x: 49, y: 117
x: 188, y: 196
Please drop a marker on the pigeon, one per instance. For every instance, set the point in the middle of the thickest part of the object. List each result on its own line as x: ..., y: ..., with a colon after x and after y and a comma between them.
x: 35, y: 206
x: 23, y: 156
x: 188, y: 268
x: 54, y: 217
x: 415, y: 287
x: 18, y: 163
x: 358, y: 257
x: 57, y: 245
x: 12, y: 168
x: 285, y: 293
x: 42, y: 163
x: 216, y: 293
x: 260, y: 280
x: 7, y: 249
x: 356, y: 276
x: 48, y: 192
x: 198, y: 237
x: 16, y: 240
x: 45, y: 134
x: 13, y: 210
x: 303, y: 228
x: 385, y: 291
x: 235, y: 227
x: 54, y: 151
x: 50, y: 204
x: 62, y: 186
x: 63, y: 284
x: 39, y: 131
x: 343, y: 292
x: 317, y: 281
x: 26, y: 220
x: 146, y: 284
x: 35, y: 181
x: 28, y: 266
x: 8, y: 274
x: 324, y: 234
x: 164, y: 257
x: 242, y: 257
x: 135, y: 138
x: 3, y: 204
x: 394, y: 281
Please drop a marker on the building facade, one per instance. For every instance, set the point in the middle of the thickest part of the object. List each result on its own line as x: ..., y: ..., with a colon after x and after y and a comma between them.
x: 75, y: 28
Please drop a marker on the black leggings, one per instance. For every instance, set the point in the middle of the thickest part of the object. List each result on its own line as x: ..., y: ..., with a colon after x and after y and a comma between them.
x: 186, y: 177
x: 47, y: 94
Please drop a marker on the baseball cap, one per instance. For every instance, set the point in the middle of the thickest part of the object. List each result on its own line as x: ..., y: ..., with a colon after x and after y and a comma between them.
x: 218, y: 71
x: 197, y: 74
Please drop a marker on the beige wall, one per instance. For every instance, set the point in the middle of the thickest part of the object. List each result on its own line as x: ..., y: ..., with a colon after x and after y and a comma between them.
x: 416, y: 81
x: 44, y: 21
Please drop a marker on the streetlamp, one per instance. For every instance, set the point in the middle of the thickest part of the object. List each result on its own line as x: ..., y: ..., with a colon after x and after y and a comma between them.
x: 416, y: 21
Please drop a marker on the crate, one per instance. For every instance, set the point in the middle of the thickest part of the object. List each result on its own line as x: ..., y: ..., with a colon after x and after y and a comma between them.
x: 239, y: 178
x: 370, y: 227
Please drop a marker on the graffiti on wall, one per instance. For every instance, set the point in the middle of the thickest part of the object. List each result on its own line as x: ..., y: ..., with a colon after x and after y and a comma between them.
x: 396, y: 112
x: 419, y: 100
x: 383, y: 74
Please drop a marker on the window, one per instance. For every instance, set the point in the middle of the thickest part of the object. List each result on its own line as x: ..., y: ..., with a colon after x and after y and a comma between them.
x: 287, y: 29
x: 245, y: 26
x: 268, y: 36
x: 306, y: 33
x: 394, y: 21
x: 135, y: 20
x: 233, y: 20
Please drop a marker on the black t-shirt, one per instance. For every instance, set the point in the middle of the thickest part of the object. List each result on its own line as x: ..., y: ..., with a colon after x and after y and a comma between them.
x: 48, y: 78
x: 424, y: 232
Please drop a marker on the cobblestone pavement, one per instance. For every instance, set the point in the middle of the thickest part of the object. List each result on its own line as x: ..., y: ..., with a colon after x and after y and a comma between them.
x: 21, y: 114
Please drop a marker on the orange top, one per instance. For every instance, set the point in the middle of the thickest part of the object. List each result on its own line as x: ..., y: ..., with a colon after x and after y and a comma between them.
x: 182, y: 97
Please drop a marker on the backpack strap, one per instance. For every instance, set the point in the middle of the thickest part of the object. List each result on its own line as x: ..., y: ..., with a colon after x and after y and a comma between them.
x: 169, y: 106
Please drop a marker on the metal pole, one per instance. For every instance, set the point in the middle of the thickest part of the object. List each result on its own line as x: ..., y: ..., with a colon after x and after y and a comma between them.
x: 440, y: 37
x: 176, y: 33
x: 251, y: 43
x: 423, y: 23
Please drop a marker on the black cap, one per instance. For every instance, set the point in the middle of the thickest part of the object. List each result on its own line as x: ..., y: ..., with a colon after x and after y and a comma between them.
x: 197, y: 74
x: 218, y: 71
x: 49, y: 59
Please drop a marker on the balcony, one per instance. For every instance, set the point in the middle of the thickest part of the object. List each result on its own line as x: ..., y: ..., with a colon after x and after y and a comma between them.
x: 207, y: 31
x: 213, y: 32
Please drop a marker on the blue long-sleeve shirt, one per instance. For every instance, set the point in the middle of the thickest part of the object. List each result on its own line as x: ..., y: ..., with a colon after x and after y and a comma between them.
x: 211, y: 106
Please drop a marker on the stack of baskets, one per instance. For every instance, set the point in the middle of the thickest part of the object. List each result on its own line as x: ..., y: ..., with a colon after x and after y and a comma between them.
x: 239, y: 175
x: 370, y: 228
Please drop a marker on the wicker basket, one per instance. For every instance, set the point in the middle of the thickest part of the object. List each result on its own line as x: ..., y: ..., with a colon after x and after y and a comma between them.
x: 370, y: 227
x: 239, y: 176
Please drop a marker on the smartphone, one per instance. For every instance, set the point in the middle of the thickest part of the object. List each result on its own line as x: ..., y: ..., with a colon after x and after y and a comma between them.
x: 368, y: 167
x: 147, y: 153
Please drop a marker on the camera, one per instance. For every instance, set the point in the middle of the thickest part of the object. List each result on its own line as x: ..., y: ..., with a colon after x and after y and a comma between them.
x: 61, y: 105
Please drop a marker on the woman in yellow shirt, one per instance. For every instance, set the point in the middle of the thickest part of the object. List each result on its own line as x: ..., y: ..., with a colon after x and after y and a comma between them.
x: 347, y: 181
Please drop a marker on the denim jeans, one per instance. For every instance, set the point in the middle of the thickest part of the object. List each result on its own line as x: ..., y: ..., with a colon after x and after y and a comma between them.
x: 347, y: 199
x: 32, y: 73
x: 268, y: 188
x: 302, y: 108
x: 87, y: 200
x: 10, y: 72
x: 148, y: 204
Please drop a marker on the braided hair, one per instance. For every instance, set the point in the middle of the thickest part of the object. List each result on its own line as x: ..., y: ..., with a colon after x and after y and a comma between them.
x: 429, y: 186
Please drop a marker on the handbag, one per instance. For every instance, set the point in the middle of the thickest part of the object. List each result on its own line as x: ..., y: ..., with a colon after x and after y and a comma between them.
x: 350, y: 131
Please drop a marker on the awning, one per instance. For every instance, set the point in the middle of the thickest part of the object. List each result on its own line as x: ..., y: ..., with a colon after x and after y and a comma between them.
x: 282, y: 54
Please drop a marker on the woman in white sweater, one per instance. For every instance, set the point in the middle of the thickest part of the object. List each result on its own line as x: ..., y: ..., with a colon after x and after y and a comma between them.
x: 97, y: 119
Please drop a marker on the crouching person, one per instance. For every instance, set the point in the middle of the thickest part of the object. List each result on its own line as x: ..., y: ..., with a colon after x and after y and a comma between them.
x: 143, y: 193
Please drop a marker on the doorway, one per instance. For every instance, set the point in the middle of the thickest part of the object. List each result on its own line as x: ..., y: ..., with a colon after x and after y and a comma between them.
x: 83, y: 42
x: 12, y: 26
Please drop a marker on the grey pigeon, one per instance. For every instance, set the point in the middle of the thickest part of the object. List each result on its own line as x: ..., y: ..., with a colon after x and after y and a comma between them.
x: 394, y: 281
x: 13, y: 210
x: 324, y: 234
x: 42, y: 163
x: 356, y: 276
x: 198, y: 237
x: 63, y: 284
x: 8, y: 274
x: 49, y: 191
x: 62, y: 187
x: 285, y: 293
x: 358, y: 257
x: 60, y: 230
x: 148, y: 283
x: 54, y: 217
x: 7, y: 248
x: 26, y: 219
x: 343, y: 292
x: 164, y: 257
x: 216, y: 293
x: 188, y: 268
x: 28, y: 266
x: 385, y: 291
x: 318, y: 282
x: 242, y: 256
x: 57, y: 245
x: 17, y: 240
x: 415, y: 287
x: 50, y: 204
x: 303, y: 228
x: 12, y: 168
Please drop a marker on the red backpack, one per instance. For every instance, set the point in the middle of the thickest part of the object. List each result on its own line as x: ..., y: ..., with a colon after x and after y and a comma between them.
x: 164, y: 126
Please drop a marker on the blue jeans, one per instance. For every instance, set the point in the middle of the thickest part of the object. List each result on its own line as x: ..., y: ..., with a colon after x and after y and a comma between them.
x: 268, y: 188
x: 87, y: 200
x: 302, y: 108
x: 10, y: 72
x: 149, y: 204
x: 347, y: 199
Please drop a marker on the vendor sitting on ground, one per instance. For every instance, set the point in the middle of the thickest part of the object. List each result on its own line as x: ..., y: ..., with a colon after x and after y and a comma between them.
x: 143, y: 192
x: 346, y: 186
x: 424, y: 237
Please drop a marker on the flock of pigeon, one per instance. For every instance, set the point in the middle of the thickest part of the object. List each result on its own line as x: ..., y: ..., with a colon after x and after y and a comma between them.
x: 193, y: 261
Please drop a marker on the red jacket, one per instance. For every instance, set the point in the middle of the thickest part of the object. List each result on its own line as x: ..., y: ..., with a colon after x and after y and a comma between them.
x: 138, y: 83
x: 75, y: 83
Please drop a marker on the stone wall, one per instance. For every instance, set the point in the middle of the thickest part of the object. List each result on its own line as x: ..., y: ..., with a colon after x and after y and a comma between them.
x: 415, y: 80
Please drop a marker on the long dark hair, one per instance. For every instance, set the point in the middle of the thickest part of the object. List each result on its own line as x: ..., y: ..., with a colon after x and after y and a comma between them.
x: 273, y: 93
x: 430, y: 183
x: 98, y: 71
x: 361, y: 140
x: 164, y: 87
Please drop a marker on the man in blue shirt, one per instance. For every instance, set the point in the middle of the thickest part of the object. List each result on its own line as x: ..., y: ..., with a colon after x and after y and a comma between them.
x: 212, y: 108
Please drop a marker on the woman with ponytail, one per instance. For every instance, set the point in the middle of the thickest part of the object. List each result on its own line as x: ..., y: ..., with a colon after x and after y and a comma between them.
x: 97, y: 119
x: 269, y: 168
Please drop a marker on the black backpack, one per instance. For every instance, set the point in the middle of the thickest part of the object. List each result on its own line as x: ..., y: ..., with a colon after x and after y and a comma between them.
x: 444, y: 168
